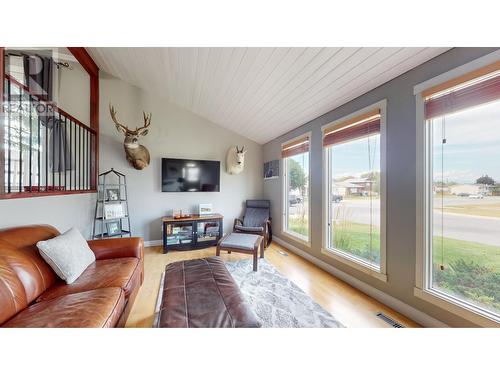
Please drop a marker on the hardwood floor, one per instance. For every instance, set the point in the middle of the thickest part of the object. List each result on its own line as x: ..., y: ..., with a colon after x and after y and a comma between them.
x: 350, y: 306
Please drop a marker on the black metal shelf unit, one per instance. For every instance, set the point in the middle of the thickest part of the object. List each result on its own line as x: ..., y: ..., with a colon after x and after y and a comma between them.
x: 117, y: 183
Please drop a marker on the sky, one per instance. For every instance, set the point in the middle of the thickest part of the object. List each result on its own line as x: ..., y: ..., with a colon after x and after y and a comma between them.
x: 472, y: 146
x: 351, y: 158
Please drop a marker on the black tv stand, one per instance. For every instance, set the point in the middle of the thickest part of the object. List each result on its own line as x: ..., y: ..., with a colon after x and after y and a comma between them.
x: 191, y: 233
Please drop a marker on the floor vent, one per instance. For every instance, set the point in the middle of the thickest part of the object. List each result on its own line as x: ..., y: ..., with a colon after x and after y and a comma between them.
x: 390, y: 321
x: 282, y: 253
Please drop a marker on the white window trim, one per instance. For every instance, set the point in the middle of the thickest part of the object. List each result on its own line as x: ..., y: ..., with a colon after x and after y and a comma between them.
x: 284, y: 192
x: 422, y: 268
x: 339, y: 255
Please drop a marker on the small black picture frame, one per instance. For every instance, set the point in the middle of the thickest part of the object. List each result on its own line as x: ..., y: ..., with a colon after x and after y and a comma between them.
x: 113, y: 194
x: 271, y: 169
x: 114, y: 227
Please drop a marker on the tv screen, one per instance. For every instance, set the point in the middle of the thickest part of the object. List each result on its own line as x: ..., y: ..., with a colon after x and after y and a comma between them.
x: 180, y: 175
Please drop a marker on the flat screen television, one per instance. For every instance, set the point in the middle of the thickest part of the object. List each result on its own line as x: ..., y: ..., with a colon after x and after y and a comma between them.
x: 182, y: 175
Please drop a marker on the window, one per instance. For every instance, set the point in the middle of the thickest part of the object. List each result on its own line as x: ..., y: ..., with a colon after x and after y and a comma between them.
x: 295, y: 154
x: 354, y: 224
x: 461, y: 199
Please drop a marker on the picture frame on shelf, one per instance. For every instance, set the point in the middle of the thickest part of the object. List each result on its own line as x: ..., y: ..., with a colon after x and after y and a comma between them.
x: 114, y: 227
x: 113, y: 211
x: 205, y: 209
x: 113, y: 194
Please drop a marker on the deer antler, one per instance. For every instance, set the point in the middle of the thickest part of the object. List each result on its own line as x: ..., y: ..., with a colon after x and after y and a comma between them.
x: 147, y: 121
x: 119, y: 126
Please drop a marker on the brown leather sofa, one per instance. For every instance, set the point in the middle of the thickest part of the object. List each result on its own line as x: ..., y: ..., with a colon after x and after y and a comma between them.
x: 32, y: 295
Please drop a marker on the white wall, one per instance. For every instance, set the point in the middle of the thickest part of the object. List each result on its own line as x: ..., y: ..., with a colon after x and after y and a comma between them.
x: 177, y: 133
x: 174, y: 133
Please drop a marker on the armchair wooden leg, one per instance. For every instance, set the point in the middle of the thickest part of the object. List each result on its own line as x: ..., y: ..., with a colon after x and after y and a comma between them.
x: 217, y: 252
x: 262, y: 248
x: 255, y: 260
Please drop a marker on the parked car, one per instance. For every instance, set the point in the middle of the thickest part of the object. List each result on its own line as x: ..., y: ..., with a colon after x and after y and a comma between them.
x: 476, y: 196
x: 463, y: 194
x: 337, y: 198
x: 294, y: 199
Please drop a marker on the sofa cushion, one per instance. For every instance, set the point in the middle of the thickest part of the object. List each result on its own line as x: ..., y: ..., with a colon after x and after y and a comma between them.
x: 18, y: 249
x: 121, y: 273
x: 92, y: 309
x: 68, y: 254
x: 12, y: 294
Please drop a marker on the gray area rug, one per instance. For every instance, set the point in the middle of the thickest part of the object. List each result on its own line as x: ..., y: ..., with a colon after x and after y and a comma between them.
x: 278, y: 302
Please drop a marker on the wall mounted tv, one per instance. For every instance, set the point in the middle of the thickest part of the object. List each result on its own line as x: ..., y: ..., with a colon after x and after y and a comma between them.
x: 182, y: 175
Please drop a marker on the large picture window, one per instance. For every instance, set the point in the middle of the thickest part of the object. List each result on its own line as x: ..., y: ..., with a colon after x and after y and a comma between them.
x: 295, y: 156
x: 353, y: 185
x: 462, y: 193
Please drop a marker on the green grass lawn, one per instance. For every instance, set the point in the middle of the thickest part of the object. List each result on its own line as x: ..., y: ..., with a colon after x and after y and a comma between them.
x: 298, y: 225
x: 453, y: 250
x: 354, y: 238
x: 471, y: 270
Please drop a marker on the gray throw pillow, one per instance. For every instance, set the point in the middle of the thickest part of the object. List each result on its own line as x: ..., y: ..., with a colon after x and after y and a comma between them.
x: 68, y: 254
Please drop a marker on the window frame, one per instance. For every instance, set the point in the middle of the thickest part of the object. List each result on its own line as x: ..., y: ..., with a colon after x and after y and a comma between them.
x: 284, y: 192
x: 423, y: 266
x: 380, y: 272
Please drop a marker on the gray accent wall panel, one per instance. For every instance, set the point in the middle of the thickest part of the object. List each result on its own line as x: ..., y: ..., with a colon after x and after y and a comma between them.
x: 401, y: 179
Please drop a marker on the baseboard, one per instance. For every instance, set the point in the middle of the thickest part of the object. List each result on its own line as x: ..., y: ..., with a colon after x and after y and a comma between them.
x: 394, y: 303
x: 153, y: 243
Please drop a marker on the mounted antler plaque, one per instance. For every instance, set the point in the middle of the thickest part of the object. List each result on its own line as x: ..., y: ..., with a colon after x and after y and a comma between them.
x: 137, y: 155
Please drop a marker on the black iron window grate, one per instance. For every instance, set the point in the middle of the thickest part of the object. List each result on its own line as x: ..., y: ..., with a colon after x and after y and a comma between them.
x: 45, y: 149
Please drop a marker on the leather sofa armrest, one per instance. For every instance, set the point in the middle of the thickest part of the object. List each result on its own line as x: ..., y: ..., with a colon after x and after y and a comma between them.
x: 117, y: 248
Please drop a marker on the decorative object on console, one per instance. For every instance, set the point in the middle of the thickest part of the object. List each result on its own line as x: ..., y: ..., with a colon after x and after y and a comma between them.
x: 205, y: 209
x: 137, y: 155
x: 271, y: 169
x: 235, y: 160
x: 111, y: 184
x: 177, y: 214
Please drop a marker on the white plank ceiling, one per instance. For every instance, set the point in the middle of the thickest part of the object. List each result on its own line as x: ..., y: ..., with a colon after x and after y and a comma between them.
x: 260, y: 93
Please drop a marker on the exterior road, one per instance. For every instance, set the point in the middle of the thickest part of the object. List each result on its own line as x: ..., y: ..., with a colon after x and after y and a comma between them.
x: 481, y: 229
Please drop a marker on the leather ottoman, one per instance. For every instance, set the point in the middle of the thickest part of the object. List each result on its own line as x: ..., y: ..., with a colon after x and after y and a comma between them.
x: 201, y: 293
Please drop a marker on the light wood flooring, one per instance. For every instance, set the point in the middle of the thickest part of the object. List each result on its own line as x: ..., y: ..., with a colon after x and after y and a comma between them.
x: 348, y: 305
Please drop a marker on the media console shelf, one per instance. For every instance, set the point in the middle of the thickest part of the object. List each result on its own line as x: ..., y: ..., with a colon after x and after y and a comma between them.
x: 194, y: 232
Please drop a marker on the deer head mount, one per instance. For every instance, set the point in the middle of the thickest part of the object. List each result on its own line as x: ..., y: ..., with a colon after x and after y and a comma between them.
x: 137, y: 155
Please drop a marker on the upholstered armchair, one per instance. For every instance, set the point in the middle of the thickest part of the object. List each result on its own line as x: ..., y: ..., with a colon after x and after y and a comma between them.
x: 256, y: 219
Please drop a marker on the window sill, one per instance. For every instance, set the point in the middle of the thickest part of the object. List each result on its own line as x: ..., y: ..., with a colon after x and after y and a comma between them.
x: 296, y: 238
x: 462, y: 309
x: 355, y: 263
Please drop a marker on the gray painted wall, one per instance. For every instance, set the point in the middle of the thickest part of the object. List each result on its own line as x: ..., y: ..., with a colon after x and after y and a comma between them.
x: 174, y: 133
x: 401, y: 179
